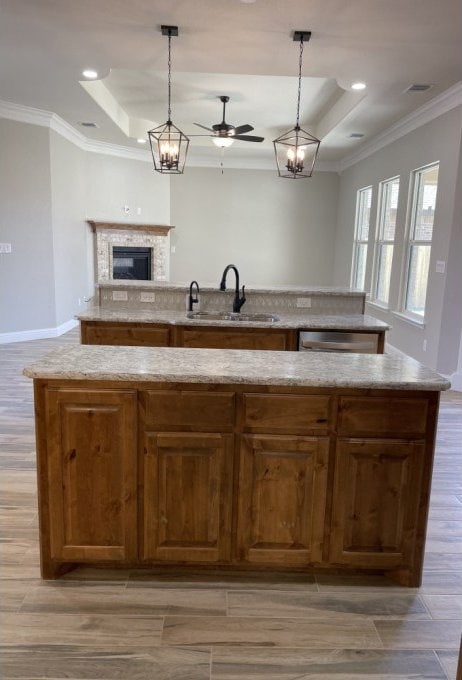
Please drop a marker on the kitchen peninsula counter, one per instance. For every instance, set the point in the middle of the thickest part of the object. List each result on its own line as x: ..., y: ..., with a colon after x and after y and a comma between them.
x: 234, y: 459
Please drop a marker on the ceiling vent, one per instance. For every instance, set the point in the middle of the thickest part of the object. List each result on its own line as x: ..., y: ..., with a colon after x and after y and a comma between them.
x: 417, y: 87
x: 356, y: 135
x: 88, y: 124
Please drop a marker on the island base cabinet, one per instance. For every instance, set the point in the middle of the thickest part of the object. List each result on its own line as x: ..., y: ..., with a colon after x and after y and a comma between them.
x: 187, y: 497
x: 377, y: 489
x: 91, y: 475
x: 282, y: 499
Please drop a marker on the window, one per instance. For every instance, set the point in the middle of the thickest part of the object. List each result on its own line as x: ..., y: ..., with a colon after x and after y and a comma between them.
x: 386, y: 224
x: 425, y: 184
x: 363, y: 213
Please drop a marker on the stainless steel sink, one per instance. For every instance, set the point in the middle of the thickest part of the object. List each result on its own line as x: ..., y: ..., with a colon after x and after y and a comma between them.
x: 231, y: 316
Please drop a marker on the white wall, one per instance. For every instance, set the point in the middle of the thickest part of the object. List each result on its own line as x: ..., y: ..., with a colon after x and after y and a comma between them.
x: 276, y: 231
x: 438, y: 140
x: 27, y: 292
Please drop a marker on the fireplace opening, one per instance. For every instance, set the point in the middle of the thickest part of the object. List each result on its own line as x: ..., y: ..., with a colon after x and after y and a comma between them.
x: 131, y: 263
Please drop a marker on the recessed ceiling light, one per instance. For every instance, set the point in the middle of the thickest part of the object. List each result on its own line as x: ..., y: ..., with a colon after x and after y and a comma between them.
x: 141, y: 141
x: 90, y: 73
x: 358, y: 86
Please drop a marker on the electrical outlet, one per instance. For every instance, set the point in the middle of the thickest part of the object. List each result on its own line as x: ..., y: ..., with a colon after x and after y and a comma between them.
x: 304, y: 302
x: 138, y: 211
x: 120, y: 295
x: 5, y: 248
x: 147, y: 297
x: 80, y: 302
x: 424, y: 345
x: 126, y: 209
x: 173, y: 249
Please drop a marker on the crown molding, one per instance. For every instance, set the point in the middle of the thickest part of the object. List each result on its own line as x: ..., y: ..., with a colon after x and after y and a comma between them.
x: 441, y: 104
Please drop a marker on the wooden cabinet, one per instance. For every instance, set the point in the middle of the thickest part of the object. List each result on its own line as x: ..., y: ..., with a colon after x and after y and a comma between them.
x: 241, y: 476
x: 187, y: 497
x: 91, y: 461
x: 377, y: 490
x: 118, y: 333
x: 236, y: 338
x: 282, y: 499
x: 187, y: 465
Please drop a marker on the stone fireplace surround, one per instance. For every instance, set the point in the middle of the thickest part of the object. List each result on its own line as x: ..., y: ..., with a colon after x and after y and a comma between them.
x: 110, y: 234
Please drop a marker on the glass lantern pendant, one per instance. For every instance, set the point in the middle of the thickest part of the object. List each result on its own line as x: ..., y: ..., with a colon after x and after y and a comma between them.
x: 169, y: 145
x: 297, y: 149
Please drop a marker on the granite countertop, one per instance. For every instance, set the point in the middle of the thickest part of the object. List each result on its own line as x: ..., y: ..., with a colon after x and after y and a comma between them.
x: 184, y: 365
x: 214, y: 287
x: 353, y: 322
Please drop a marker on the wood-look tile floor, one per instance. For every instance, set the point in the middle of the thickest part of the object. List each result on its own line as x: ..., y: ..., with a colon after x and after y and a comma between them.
x: 154, y: 625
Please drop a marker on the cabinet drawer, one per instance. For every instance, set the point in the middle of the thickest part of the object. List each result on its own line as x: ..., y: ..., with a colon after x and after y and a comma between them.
x: 187, y: 411
x: 291, y: 413
x: 126, y: 334
x: 382, y: 416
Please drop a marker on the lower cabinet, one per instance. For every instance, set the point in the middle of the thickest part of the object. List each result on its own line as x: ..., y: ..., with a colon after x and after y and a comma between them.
x: 91, y: 474
x: 187, y: 497
x: 282, y: 499
x: 377, y: 491
x: 235, y: 338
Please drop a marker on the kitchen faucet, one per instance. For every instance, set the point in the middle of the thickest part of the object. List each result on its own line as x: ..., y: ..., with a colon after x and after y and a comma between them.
x: 193, y: 298
x: 238, y: 301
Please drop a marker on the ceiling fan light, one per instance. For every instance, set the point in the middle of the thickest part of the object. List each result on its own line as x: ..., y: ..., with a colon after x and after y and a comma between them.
x: 222, y: 142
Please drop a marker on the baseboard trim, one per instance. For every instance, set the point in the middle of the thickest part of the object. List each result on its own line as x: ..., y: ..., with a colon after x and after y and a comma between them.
x: 456, y: 381
x: 38, y: 333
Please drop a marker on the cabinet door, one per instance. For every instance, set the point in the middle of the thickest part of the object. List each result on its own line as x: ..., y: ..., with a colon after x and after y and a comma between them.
x: 377, y: 490
x: 282, y: 482
x: 187, y: 496
x: 92, y: 474
x: 234, y: 338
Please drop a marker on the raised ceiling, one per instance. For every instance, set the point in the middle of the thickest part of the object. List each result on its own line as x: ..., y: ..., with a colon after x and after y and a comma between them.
x: 244, y: 50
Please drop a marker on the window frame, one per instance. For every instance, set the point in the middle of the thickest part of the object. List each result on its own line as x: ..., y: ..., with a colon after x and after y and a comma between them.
x: 415, y: 184
x: 358, y: 241
x: 380, y: 241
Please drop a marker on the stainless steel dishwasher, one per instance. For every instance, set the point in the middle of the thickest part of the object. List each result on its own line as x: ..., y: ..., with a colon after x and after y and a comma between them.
x: 338, y: 341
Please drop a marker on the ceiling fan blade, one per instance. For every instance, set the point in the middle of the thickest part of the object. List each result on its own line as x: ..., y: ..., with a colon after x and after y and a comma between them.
x: 203, y: 126
x: 248, y: 138
x: 241, y: 129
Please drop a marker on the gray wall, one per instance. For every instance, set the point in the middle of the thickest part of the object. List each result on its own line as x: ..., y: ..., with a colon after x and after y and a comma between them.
x: 69, y: 227
x: 276, y: 231
x: 438, y: 140
x: 27, y: 292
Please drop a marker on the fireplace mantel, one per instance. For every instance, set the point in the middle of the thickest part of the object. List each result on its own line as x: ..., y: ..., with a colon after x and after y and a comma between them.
x: 127, y: 226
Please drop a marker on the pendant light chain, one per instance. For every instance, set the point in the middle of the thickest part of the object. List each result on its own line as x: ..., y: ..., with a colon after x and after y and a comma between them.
x: 169, y: 116
x: 300, y: 60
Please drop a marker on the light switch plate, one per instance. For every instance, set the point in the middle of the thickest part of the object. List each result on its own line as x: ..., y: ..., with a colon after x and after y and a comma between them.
x: 304, y: 302
x: 120, y: 295
x: 5, y: 248
x: 440, y: 266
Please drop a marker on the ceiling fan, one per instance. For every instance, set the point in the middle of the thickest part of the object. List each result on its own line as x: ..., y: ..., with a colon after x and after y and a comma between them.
x: 224, y: 134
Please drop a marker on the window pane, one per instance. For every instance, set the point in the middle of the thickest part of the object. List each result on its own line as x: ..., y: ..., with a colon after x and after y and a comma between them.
x: 427, y: 184
x: 385, y: 258
x: 417, y: 279
x: 389, y: 205
x: 360, y: 265
x: 364, y: 213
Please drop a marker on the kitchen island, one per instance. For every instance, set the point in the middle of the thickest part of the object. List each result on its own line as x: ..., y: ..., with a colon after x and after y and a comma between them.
x: 234, y: 459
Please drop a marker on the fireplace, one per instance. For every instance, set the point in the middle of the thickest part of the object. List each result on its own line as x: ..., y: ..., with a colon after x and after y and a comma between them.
x: 138, y: 251
x: 131, y: 263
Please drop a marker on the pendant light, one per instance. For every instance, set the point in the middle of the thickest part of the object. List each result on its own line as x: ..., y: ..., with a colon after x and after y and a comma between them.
x: 297, y: 149
x: 169, y: 145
